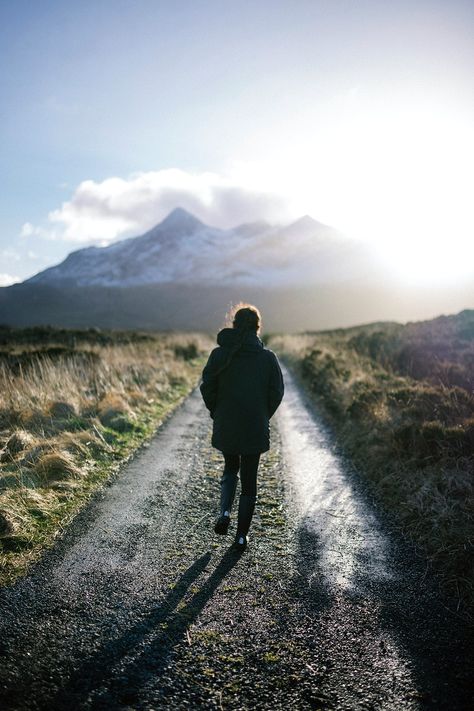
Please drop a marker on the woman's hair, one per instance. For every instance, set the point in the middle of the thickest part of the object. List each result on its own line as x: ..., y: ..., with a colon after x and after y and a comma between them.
x: 245, y: 317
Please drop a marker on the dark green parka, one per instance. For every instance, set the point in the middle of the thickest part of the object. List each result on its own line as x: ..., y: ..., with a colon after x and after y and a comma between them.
x: 241, y: 395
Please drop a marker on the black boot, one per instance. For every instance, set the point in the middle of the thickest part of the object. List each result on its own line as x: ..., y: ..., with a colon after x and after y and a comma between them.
x: 246, y: 509
x: 240, y: 544
x: 228, y: 486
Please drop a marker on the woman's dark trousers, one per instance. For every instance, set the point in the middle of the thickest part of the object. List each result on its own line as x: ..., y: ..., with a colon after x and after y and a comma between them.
x: 248, y: 465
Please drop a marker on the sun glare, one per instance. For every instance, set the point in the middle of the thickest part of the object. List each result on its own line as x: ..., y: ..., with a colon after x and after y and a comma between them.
x: 397, y: 178
x: 419, y: 218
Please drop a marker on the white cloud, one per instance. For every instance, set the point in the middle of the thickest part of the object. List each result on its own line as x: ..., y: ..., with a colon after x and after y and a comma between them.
x: 7, y: 279
x: 29, y: 230
x: 10, y: 255
x: 102, y: 212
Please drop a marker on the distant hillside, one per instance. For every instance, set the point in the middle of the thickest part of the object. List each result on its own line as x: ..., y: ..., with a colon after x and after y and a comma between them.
x: 181, y: 307
x: 440, y: 351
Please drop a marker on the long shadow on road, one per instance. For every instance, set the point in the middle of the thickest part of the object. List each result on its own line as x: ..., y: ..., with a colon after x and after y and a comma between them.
x: 386, y: 644
x: 121, y: 667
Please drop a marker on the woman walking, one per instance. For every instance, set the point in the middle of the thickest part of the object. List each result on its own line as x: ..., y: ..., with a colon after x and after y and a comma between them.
x: 242, y: 386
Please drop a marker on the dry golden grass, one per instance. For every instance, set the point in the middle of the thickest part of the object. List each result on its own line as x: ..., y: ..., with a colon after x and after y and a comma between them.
x: 56, y: 465
x: 72, y: 405
x: 412, y: 438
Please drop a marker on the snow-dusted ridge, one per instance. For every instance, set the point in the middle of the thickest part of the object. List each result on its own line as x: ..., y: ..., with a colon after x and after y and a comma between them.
x: 182, y: 249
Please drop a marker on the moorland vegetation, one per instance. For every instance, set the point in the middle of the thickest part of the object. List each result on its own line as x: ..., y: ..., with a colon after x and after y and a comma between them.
x: 400, y: 399
x: 73, y: 406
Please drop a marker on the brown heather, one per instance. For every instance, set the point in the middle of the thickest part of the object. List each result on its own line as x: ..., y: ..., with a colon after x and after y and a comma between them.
x: 400, y: 399
x: 73, y: 405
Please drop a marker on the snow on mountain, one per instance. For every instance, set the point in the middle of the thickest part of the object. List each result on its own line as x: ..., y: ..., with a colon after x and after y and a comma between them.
x: 181, y: 249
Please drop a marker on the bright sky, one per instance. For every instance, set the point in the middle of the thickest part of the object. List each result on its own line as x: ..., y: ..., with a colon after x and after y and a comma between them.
x: 358, y: 113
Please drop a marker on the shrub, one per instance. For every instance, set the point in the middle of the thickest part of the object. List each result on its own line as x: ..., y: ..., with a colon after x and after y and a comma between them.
x: 186, y: 352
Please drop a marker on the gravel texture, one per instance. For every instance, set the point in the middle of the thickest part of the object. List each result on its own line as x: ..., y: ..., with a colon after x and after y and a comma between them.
x: 141, y: 606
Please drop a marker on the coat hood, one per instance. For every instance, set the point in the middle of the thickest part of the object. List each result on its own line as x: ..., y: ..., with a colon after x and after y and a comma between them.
x: 228, y: 338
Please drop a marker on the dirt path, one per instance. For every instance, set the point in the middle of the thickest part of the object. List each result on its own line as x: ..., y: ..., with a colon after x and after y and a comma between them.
x: 141, y: 606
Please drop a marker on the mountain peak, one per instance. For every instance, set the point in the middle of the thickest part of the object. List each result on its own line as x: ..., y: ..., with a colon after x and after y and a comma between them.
x: 179, y: 217
x: 305, y: 227
x: 307, y: 221
x: 181, y: 249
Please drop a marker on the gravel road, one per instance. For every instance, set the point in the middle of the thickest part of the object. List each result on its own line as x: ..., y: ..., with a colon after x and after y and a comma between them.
x: 141, y: 606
